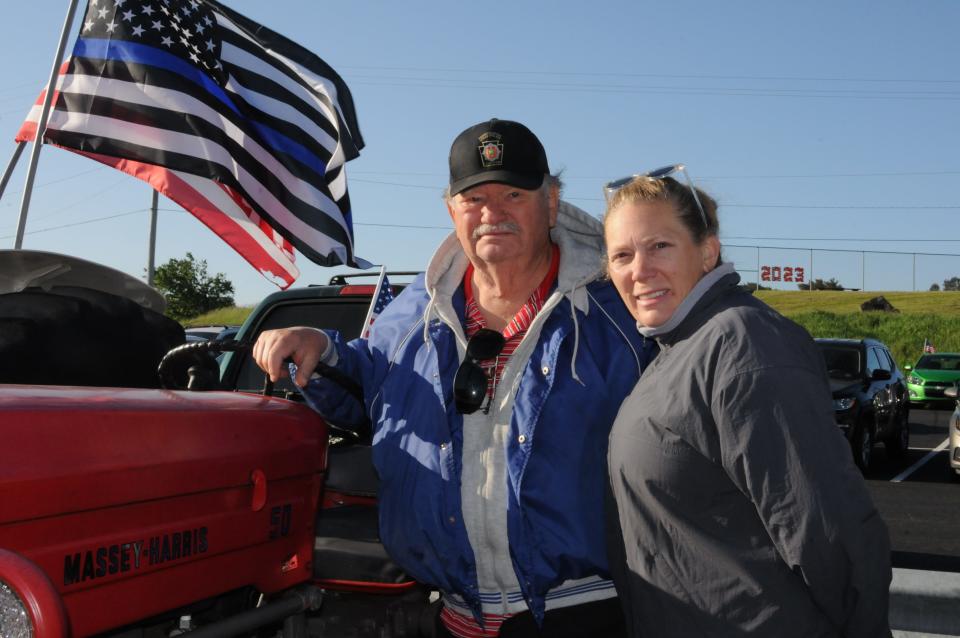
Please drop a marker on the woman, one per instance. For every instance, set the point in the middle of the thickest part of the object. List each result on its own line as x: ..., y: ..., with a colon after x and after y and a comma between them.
x: 738, y: 510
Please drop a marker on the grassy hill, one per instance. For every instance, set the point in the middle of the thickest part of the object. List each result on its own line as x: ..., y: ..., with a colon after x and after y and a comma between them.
x: 229, y: 316
x: 790, y: 302
x: 824, y: 313
x: 923, y: 315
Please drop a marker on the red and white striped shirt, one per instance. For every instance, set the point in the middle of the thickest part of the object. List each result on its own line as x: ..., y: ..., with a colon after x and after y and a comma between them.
x: 464, y: 626
x: 517, y: 328
x: 457, y: 623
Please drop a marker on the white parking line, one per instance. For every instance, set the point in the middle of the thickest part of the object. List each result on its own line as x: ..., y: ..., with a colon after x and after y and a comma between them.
x: 916, y: 466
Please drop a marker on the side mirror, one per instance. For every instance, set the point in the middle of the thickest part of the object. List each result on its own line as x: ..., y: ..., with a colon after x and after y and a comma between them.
x: 951, y: 392
x: 907, y: 368
x: 881, y: 375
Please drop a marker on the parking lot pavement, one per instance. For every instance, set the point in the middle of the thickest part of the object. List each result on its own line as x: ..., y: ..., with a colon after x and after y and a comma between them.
x: 918, y: 499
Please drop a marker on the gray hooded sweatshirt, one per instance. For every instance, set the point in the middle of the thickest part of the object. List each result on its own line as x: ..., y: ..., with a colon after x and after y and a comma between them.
x: 739, y: 511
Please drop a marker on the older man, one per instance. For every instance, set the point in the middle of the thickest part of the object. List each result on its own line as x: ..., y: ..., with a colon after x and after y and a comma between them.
x: 492, y: 382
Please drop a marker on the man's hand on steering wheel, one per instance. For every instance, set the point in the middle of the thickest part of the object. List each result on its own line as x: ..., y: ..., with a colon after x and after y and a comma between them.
x: 302, y: 345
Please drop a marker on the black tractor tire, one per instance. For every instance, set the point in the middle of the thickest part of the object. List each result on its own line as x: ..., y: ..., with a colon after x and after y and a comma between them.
x: 68, y: 335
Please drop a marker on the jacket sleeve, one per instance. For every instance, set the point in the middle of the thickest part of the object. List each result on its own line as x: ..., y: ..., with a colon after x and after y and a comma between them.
x: 366, y: 361
x: 329, y: 398
x: 781, y: 446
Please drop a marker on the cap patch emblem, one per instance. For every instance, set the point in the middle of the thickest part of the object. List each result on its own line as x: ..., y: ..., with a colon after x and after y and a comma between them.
x: 491, y: 150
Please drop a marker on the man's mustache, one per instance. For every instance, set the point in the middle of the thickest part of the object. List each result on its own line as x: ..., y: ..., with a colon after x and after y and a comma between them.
x: 502, y: 227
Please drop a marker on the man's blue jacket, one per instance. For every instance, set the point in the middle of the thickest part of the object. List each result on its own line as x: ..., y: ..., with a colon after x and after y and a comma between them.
x: 585, y: 362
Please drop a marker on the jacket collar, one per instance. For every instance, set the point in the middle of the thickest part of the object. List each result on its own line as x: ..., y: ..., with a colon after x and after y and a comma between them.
x: 713, y: 284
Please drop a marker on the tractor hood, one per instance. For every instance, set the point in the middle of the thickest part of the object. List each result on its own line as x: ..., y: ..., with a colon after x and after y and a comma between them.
x: 118, y: 494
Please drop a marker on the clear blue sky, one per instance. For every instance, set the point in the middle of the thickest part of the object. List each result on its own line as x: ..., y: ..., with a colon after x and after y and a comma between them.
x: 816, y: 124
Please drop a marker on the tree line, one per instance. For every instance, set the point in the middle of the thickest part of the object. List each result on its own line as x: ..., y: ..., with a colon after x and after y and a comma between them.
x: 951, y: 284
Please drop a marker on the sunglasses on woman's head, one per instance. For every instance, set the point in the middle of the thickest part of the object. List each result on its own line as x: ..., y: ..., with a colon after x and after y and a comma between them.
x: 612, y: 187
x: 470, y: 382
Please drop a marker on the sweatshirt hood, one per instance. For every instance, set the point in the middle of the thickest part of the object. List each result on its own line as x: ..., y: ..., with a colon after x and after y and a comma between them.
x: 578, y: 234
x: 579, y: 237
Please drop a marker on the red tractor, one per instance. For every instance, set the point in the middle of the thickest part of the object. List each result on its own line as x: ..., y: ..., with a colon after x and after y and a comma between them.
x: 153, y: 512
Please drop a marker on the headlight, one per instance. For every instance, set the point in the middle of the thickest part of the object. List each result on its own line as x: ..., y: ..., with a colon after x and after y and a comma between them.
x: 844, y: 404
x: 14, y: 619
x: 29, y: 603
x: 915, y: 380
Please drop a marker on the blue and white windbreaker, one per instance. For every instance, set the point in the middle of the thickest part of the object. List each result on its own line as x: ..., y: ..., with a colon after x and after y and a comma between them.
x: 587, y: 359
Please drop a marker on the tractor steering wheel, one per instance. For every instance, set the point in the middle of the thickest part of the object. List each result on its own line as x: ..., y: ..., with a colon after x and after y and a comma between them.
x: 193, y: 366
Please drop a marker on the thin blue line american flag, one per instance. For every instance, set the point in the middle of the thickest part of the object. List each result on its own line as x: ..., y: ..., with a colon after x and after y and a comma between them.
x: 241, y: 126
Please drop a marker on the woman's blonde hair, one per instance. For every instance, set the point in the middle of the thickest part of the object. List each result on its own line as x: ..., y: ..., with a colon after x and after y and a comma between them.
x: 646, y: 189
x: 667, y: 189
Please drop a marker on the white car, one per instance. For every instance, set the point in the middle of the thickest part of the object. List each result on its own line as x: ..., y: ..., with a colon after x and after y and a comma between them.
x: 954, y: 427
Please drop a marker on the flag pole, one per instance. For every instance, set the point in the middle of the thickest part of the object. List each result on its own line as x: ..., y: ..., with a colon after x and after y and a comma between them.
x: 373, y: 301
x: 10, y: 166
x: 42, y: 124
x: 151, y: 249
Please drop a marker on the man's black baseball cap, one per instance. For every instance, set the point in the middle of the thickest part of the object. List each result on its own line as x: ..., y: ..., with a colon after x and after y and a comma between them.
x: 497, y: 151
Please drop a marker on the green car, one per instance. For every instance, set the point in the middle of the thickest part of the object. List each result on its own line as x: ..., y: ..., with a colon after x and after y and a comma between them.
x: 933, y: 374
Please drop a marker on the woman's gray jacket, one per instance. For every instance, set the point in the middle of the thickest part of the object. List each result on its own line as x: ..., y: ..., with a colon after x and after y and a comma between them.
x: 740, y: 508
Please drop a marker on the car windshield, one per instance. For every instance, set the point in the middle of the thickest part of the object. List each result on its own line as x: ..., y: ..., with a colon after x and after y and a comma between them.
x: 842, y: 363
x: 939, y: 362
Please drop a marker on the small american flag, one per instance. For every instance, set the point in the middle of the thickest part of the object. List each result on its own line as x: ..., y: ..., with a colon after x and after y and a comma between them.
x: 928, y: 347
x: 384, y: 297
x: 244, y: 128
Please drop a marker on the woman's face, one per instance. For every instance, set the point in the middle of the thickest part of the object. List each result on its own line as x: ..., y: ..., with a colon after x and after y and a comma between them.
x: 653, y: 260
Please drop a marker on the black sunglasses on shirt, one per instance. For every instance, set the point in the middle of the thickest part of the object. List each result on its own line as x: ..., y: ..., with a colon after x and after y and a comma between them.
x: 470, y: 382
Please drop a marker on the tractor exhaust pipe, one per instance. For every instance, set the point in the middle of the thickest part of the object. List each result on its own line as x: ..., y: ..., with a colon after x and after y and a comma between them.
x: 294, y: 603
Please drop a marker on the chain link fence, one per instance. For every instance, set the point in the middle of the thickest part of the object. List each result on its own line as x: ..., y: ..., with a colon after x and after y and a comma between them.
x: 781, y: 268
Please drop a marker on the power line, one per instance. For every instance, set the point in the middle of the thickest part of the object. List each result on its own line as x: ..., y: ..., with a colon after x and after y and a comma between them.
x: 80, y: 223
x: 62, y: 179
x: 730, y: 92
x: 592, y: 199
x: 440, y: 187
x: 869, y: 239
x: 373, y: 181
x: 727, y: 205
x: 607, y: 87
x: 823, y: 175
x: 679, y: 88
x: 73, y: 203
x: 932, y: 173
x: 656, y: 75
x: 845, y: 250
x: 843, y: 207
x: 14, y: 87
x: 448, y: 228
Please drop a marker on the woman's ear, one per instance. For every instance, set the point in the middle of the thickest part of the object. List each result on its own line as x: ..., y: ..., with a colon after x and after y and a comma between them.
x: 709, y: 252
